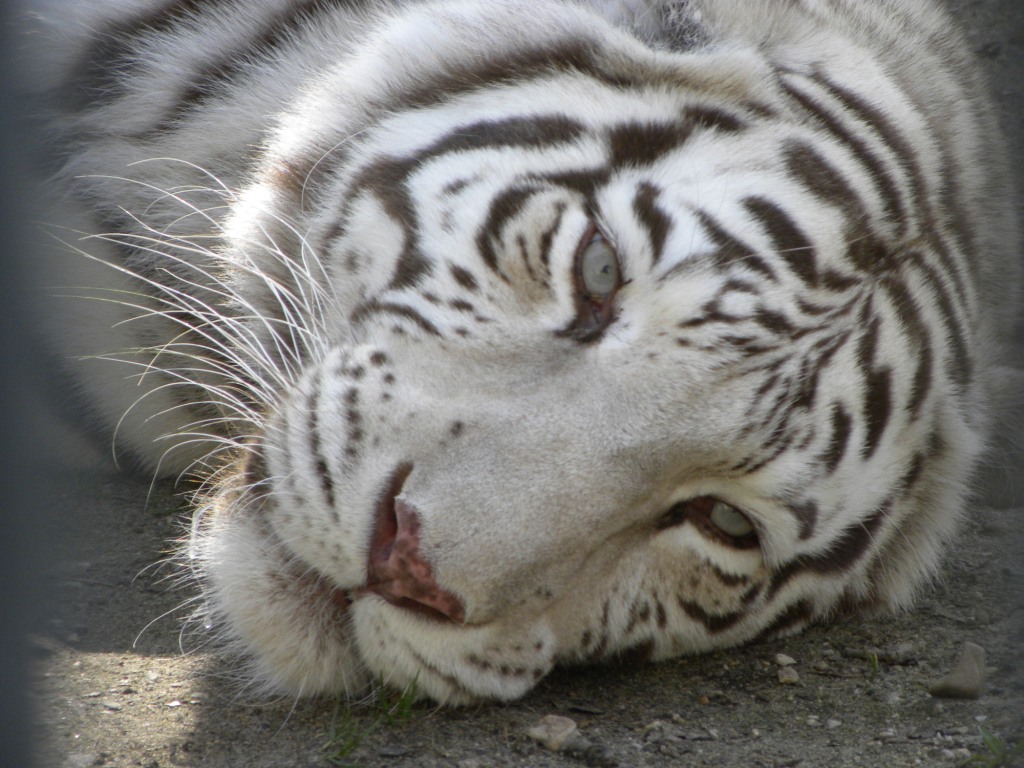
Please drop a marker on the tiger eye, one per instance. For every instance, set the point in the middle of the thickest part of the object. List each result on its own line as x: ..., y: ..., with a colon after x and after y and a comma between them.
x: 599, y: 268
x: 730, y: 520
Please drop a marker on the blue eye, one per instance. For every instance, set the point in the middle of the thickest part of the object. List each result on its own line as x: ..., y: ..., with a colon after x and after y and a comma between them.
x: 599, y: 268
x: 730, y: 520
x: 597, y: 277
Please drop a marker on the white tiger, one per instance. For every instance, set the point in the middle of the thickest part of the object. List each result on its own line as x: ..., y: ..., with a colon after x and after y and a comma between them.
x: 514, y: 333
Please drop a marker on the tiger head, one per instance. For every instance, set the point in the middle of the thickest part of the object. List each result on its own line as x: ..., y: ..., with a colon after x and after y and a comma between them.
x: 568, y: 346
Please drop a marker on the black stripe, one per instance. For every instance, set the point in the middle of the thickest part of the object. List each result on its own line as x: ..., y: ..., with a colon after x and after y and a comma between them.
x: 463, y: 277
x: 822, y: 180
x: 792, y: 618
x: 806, y: 513
x: 877, y: 405
x: 788, y: 240
x: 713, y: 623
x: 374, y: 307
x: 891, y: 135
x: 775, y: 322
x: 877, y: 408
x: 640, y: 144
x: 707, y: 118
x: 584, y: 182
x: 776, y: 445
x: 869, y: 254
x: 962, y: 366
x: 887, y: 189
x: 319, y: 462
x: 880, y: 124
x: 729, y: 250
x: 912, y: 325
x: 520, y: 66
x: 845, y: 552
x: 521, y: 132
x: 810, y: 372
x: 841, y: 428
x: 548, y: 236
x: 386, y: 180
x: 353, y: 419
x: 650, y: 214
x: 507, y: 205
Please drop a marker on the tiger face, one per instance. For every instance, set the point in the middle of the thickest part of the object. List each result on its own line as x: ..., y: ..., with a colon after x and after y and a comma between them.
x: 509, y: 334
x: 582, y: 349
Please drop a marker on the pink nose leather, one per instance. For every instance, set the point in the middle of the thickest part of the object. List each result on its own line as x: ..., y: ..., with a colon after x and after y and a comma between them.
x: 399, y: 573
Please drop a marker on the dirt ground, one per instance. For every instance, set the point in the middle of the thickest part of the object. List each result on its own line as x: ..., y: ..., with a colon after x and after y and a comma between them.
x: 118, y: 684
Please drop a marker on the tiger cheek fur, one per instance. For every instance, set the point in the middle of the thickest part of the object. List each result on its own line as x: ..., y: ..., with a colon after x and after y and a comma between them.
x: 530, y: 333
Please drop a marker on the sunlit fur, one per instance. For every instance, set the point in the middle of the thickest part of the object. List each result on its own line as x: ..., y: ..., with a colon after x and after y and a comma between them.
x: 315, y: 249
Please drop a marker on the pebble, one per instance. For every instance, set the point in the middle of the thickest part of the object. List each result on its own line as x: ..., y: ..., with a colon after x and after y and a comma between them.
x: 555, y: 732
x: 783, y: 660
x: 788, y: 676
x: 113, y: 706
x: 967, y: 680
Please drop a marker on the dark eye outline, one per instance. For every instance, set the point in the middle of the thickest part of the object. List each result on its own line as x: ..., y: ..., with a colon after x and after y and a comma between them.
x: 594, y: 311
x: 698, y: 511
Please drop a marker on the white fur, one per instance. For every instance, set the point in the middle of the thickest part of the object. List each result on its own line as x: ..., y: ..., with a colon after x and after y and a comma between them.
x: 541, y: 465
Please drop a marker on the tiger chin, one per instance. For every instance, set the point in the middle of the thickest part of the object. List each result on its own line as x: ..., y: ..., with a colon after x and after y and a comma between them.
x: 517, y: 333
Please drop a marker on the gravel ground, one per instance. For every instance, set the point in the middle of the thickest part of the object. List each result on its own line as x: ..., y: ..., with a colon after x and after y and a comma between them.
x: 117, y: 684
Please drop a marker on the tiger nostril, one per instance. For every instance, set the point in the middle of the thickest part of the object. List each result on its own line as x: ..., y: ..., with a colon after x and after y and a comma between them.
x: 395, y: 568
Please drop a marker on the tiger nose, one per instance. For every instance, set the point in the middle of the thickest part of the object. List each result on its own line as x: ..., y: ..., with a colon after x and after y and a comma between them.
x: 398, y: 572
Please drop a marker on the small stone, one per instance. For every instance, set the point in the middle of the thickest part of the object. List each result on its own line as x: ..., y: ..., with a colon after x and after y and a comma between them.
x: 832, y: 723
x: 783, y: 660
x: 967, y: 680
x: 554, y: 732
x: 174, y: 703
x: 788, y: 676
x: 113, y: 706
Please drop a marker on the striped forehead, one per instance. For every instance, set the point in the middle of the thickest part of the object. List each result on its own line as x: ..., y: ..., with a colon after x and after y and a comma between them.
x: 585, y: 108
x: 572, y: 122
x: 607, y: 146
